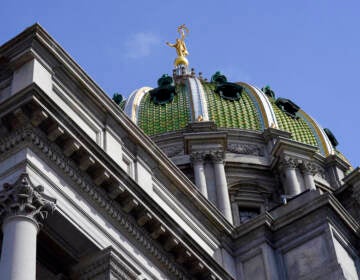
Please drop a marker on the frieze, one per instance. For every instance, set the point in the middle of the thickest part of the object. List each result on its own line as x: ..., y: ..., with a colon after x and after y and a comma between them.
x: 246, y: 149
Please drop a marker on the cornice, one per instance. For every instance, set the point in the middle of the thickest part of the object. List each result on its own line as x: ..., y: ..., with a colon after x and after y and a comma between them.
x: 99, y: 97
x: 35, y: 138
x: 287, y: 145
x: 336, y: 160
x: 96, y: 194
x: 314, y: 202
x: 275, y: 221
x: 353, y: 177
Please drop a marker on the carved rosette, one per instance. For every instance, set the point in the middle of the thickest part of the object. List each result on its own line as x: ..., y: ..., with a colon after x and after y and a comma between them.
x: 24, y: 199
x: 217, y: 156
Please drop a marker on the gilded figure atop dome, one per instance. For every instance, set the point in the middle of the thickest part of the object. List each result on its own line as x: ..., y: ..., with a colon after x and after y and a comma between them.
x: 180, y: 46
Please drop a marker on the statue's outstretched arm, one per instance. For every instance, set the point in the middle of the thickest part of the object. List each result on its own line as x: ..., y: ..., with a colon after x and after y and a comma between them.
x: 170, y: 45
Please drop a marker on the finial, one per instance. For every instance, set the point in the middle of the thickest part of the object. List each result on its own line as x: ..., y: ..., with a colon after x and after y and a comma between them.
x: 180, y: 46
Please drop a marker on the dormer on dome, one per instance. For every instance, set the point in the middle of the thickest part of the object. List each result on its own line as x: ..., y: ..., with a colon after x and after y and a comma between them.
x: 229, y: 91
x: 165, y: 91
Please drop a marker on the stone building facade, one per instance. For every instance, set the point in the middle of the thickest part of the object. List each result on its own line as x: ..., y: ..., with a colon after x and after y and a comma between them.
x: 194, y: 179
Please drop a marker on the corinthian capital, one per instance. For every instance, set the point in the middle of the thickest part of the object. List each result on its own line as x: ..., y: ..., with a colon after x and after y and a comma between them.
x: 289, y: 162
x: 309, y: 167
x: 197, y: 157
x: 24, y: 199
x: 217, y: 156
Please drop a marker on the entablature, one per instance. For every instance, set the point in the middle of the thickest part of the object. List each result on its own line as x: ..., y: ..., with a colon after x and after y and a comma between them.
x: 41, y: 123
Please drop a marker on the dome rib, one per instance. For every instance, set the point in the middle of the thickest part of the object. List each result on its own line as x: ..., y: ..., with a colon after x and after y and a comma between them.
x: 265, y: 108
x: 132, y: 104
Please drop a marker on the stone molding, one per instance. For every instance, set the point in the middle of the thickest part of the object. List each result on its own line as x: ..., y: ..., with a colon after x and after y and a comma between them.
x: 173, y: 151
x: 24, y: 199
x: 96, y: 194
x: 353, y: 181
x: 105, y: 264
x: 246, y: 149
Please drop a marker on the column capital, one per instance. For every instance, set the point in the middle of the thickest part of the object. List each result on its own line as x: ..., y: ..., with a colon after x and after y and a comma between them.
x: 24, y: 199
x: 197, y: 157
x: 289, y: 162
x: 217, y: 156
x: 309, y: 167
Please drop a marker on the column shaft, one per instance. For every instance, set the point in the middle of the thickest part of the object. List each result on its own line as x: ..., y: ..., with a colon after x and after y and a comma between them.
x: 18, y: 255
x: 292, y: 183
x: 309, y: 181
x: 200, y: 179
x: 222, y: 190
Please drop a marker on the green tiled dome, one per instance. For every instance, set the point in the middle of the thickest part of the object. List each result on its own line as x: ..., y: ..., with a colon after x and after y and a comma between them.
x: 156, y: 119
x: 197, y: 100
x: 299, y: 129
x: 241, y: 113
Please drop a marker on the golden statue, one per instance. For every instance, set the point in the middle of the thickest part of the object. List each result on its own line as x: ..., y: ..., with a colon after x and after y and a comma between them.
x: 180, y: 46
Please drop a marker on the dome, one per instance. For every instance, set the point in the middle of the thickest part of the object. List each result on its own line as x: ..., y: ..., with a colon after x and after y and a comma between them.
x: 187, y: 98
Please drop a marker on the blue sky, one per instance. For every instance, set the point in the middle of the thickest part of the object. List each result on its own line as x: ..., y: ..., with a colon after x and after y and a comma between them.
x: 307, y: 51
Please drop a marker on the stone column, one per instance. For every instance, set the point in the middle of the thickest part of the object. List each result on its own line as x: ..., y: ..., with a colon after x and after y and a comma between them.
x: 291, y: 184
x: 22, y: 206
x: 309, y: 169
x: 222, y: 192
x: 197, y: 159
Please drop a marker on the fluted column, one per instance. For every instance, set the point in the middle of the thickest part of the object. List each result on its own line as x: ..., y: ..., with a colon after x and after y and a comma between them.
x: 291, y: 185
x: 309, y: 169
x: 222, y: 192
x: 197, y: 159
x: 22, y: 206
